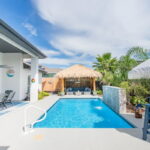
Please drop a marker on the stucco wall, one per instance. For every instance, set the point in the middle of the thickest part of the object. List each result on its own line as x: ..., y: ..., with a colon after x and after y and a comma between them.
x: 24, y: 85
x: 19, y: 82
x: 115, y: 98
x: 13, y: 83
x: 51, y: 84
x: 25, y: 74
x: 40, y: 81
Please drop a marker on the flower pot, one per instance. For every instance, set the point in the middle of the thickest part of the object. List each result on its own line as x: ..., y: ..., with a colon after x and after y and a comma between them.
x: 94, y: 93
x: 62, y: 93
x: 138, y: 113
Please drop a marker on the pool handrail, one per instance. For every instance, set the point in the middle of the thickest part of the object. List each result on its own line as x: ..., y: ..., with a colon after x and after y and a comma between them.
x: 32, y: 124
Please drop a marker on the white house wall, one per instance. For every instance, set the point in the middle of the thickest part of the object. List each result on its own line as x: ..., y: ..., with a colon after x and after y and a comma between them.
x: 24, y: 85
x: 40, y: 81
x: 13, y: 83
x: 19, y: 82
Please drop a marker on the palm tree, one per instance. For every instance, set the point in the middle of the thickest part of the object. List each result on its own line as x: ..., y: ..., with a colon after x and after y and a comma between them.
x: 107, y: 66
x: 105, y: 63
x: 126, y: 63
x: 138, y: 53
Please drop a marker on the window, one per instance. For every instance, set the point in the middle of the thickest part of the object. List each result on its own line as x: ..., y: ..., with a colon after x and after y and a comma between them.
x: 49, y: 75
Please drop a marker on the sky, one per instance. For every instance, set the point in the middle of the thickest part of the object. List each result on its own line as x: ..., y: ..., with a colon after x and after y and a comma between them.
x: 76, y: 31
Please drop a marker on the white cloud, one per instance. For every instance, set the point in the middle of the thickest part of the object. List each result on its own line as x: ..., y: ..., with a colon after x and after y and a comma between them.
x: 97, y: 26
x: 30, y: 28
x: 66, y: 61
x: 49, y: 52
x: 54, y: 61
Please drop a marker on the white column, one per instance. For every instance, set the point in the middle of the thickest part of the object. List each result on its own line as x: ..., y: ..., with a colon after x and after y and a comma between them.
x: 34, y: 80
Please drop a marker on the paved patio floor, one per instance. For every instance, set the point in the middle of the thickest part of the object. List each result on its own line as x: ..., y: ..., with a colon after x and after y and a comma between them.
x: 12, y: 136
x: 11, y: 106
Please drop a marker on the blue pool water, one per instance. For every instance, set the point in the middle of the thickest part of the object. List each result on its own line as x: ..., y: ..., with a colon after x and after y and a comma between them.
x: 82, y: 113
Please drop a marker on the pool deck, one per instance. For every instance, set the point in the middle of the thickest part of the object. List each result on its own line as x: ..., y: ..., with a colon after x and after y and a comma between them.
x: 12, y: 136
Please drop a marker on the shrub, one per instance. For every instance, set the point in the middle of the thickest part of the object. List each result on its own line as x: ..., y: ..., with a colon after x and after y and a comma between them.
x: 42, y: 94
x: 45, y: 93
x: 138, y: 90
x: 99, y: 92
x: 138, y: 100
x: 145, y: 83
x: 61, y: 93
x: 124, y: 84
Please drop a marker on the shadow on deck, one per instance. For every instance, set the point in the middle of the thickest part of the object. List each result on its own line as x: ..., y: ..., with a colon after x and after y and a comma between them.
x: 137, y: 131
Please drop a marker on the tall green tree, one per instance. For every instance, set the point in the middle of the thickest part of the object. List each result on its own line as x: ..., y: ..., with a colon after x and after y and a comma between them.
x: 107, y: 66
x: 105, y: 63
x: 138, y: 53
x: 126, y: 63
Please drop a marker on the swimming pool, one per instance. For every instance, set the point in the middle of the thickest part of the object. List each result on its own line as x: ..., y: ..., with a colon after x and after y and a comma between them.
x: 82, y: 113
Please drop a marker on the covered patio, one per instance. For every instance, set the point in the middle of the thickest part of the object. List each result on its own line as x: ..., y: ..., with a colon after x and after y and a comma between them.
x: 78, y: 78
x: 13, y: 50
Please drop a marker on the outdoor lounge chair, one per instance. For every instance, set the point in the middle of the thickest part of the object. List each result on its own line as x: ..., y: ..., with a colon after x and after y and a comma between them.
x: 2, y: 99
x: 69, y: 91
x: 10, y: 97
x: 87, y: 91
x: 8, y: 92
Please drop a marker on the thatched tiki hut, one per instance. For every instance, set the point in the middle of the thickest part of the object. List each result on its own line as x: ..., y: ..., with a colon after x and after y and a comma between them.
x: 78, y: 76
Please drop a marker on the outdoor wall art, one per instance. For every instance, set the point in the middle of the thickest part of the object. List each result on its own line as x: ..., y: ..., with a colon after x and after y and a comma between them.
x: 10, y: 73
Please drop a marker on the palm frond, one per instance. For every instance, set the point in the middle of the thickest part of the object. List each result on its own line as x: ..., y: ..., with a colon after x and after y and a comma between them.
x: 138, y: 53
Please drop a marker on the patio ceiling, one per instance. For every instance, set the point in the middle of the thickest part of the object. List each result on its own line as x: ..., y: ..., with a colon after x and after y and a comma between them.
x: 8, y: 48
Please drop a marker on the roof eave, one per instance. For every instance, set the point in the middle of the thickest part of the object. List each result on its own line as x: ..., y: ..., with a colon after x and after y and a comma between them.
x: 33, y: 50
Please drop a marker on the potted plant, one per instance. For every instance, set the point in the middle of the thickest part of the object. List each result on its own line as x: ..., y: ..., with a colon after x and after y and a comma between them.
x: 61, y: 93
x: 99, y: 92
x: 94, y: 93
x: 138, y: 102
